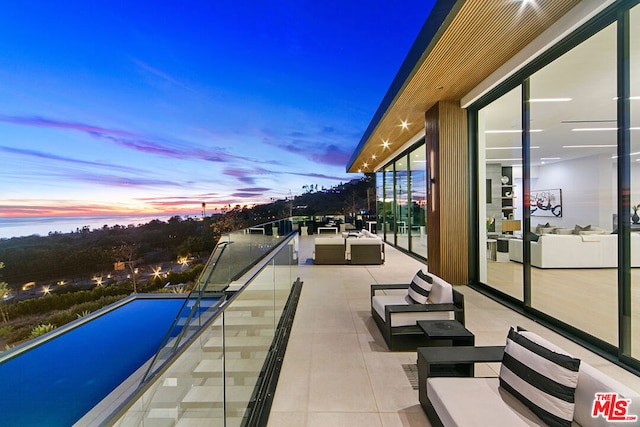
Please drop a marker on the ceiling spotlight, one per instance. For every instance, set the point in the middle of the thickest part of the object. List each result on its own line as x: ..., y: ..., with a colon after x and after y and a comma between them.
x: 404, y: 124
x: 373, y: 156
x: 365, y: 165
x: 385, y: 143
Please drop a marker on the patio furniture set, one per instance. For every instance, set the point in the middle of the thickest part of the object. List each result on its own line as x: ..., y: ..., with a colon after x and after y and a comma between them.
x: 538, y: 384
x: 357, y: 248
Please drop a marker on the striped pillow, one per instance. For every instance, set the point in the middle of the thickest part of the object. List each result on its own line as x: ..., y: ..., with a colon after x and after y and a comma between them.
x: 541, y: 376
x: 419, y: 288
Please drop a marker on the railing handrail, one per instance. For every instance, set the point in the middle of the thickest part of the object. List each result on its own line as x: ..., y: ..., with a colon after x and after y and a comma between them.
x: 167, y: 336
x: 201, y: 285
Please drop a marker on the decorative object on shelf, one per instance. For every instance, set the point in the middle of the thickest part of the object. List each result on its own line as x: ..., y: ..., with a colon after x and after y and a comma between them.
x: 491, y: 224
x: 504, y: 180
x: 546, y: 203
x: 635, y: 218
x: 508, y: 194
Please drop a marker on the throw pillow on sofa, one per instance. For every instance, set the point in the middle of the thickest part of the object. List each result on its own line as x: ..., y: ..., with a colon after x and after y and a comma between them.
x: 419, y: 288
x: 541, y: 376
x: 579, y: 229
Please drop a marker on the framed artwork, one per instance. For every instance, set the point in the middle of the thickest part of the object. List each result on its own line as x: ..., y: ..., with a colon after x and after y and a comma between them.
x: 546, y: 203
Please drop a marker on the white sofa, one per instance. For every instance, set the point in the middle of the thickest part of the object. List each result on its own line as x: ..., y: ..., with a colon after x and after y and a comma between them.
x: 476, y: 401
x: 575, y: 251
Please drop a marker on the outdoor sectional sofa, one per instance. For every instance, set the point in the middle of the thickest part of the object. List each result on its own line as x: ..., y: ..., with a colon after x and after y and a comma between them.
x: 397, y: 307
x: 539, y: 384
x: 357, y: 249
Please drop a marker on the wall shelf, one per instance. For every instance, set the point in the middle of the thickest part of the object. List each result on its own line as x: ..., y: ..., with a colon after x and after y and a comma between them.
x: 507, y: 195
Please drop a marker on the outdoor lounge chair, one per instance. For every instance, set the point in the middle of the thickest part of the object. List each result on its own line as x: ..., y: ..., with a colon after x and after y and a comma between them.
x: 539, y: 384
x: 427, y: 297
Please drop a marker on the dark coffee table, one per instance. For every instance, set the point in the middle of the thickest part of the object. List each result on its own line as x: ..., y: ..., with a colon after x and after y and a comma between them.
x: 446, y: 333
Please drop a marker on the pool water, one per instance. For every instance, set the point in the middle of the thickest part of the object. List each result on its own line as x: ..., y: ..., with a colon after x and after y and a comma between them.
x: 59, y: 381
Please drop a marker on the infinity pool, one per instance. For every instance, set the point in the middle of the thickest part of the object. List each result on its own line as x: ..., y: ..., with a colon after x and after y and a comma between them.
x: 60, y: 380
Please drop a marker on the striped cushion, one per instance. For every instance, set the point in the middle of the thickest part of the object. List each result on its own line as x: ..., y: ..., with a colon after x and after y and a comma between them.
x: 541, y: 376
x: 419, y: 288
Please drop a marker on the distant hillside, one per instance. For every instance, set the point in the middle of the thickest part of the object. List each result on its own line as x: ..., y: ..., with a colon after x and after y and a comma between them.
x: 86, y: 252
x: 358, y: 195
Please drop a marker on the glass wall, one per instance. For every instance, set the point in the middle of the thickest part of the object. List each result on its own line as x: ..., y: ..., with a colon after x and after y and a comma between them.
x: 418, y: 185
x: 574, y: 187
x: 402, y: 203
x: 389, y: 218
x: 562, y: 224
x: 635, y: 177
x: 380, y: 203
x: 500, y: 190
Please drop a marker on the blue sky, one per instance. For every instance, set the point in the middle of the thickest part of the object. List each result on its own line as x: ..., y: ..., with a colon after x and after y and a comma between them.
x: 156, y: 107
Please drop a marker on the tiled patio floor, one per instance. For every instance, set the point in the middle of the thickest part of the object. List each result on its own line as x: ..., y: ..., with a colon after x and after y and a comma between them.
x: 337, y: 369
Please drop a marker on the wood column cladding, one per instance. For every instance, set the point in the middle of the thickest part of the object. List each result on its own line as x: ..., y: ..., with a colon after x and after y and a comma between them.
x: 447, y: 192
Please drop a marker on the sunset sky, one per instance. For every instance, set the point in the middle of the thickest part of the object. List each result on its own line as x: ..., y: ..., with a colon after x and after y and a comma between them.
x: 156, y: 107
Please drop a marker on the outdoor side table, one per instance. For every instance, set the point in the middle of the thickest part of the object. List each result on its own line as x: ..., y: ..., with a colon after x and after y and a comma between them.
x: 446, y: 333
x: 454, y: 361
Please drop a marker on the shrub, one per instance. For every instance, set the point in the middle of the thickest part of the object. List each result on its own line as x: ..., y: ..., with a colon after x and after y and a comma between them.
x: 42, y: 329
x: 5, y: 330
x: 18, y: 334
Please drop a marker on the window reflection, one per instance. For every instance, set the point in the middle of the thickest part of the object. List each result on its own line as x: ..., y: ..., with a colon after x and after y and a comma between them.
x: 389, y: 218
x: 500, y: 142
x: 402, y: 223
x: 635, y: 177
x: 418, y: 184
x: 573, y: 165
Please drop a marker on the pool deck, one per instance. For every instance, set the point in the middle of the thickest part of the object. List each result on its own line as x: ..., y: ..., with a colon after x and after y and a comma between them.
x: 337, y: 368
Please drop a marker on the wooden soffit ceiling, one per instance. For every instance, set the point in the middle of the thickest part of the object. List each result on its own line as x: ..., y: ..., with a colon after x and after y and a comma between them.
x: 480, y: 38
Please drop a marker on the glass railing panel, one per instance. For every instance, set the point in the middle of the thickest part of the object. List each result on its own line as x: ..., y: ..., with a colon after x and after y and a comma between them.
x: 284, y: 275
x: 246, y: 248
x: 249, y: 332
x: 214, y: 380
x: 190, y: 390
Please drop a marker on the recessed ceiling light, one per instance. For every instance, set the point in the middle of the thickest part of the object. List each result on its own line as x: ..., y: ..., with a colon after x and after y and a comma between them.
x: 550, y: 100
x: 549, y: 158
x: 510, y: 148
x: 365, y: 165
x: 633, y: 98
x: 591, y: 129
x: 590, y: 146
x: 599, y: 129
x: 405, y: 124
x: 385, y: 143
x: 511, y: 131
x: 373, y: 156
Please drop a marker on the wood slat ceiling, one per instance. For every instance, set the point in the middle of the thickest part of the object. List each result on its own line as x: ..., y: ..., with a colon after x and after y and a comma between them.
x: 481, y: 37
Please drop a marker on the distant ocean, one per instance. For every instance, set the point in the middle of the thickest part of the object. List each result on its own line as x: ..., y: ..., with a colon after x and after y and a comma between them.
x: 27, y: 226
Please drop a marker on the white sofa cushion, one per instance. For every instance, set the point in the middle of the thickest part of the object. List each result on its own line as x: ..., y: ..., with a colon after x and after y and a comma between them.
x: 329, y: 241
x: 420, y: 287
x: 476, y: 402
x: 379, y: 302
x: 540, y: 375
x: 441, y: 291
x: 592, y: 381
